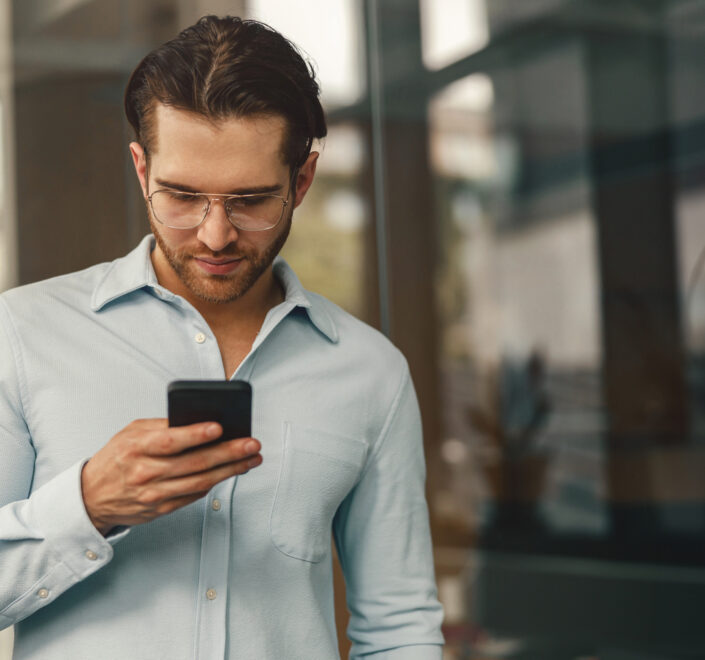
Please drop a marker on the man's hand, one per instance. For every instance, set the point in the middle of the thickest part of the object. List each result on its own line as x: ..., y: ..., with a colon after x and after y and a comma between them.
x: 142, y: 474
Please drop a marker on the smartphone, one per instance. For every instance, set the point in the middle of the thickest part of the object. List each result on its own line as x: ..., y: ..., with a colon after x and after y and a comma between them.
x: 228, y: 402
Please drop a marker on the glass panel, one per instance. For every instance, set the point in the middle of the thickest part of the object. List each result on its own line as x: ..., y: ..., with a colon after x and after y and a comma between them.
x: 688, y: 101
x: 329, y: 33
x: 8, y: 273
x: 452, y: 29
x: 569, y: 492
x: 327, y: 243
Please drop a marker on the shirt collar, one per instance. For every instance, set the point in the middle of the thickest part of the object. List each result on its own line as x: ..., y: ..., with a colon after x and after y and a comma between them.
x: 125, y: 275
x: 297, y: 296
x: 135, y: 271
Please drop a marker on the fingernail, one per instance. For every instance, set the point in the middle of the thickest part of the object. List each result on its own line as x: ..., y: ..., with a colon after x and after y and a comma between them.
x: 251, y: 446
x: 213, y: 430
x: 253, y: 462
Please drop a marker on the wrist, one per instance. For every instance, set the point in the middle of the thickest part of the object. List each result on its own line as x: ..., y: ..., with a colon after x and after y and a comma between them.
x: 102, y: 526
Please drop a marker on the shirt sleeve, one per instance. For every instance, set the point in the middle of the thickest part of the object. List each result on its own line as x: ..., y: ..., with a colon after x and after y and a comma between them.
x: 383, y: 541
x: 47, y: 541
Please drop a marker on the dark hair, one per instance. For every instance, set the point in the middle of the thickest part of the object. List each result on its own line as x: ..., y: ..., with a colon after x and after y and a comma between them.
x: 229, y: 67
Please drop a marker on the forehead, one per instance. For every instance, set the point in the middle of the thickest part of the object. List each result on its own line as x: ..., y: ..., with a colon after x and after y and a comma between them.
x: 235, y: 151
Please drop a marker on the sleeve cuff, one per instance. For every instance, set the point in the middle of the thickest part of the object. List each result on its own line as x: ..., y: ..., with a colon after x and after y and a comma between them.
x: 59, y: 511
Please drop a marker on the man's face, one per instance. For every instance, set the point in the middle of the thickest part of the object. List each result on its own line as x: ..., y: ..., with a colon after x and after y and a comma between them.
x: 216, y: 262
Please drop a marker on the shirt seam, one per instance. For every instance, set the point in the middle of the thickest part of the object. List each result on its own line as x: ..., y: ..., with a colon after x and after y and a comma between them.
x: 18, y: 360
x: 387, y: 422
x: 373, y: 452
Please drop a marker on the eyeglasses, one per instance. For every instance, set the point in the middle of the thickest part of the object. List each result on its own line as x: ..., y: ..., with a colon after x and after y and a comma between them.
x: 186, y: 210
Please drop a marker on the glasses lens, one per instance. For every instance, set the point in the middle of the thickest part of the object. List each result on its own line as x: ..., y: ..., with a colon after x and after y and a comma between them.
x: 257, y: 212
x: 177, y: 209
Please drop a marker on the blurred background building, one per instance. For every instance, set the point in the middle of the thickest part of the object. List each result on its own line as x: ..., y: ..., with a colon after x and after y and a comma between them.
x: 513, y: 191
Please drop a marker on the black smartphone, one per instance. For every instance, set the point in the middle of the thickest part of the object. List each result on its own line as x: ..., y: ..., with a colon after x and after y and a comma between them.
x: 228, y: 402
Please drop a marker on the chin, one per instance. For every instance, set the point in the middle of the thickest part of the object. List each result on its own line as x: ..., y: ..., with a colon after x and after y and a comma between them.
x: 218, y: 289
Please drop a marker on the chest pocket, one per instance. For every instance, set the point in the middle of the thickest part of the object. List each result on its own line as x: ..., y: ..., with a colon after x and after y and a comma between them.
x: 318, y: 470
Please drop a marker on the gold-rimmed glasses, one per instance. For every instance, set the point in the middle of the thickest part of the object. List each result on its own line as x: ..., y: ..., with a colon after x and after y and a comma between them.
x: 187, y: 210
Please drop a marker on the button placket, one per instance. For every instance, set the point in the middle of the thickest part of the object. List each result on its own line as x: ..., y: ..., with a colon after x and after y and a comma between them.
x: 213, y: 587
x: 206, y: 349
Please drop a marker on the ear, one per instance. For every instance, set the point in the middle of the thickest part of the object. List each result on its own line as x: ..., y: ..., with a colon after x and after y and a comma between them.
x: 304, y: 178
x: 139, y: 159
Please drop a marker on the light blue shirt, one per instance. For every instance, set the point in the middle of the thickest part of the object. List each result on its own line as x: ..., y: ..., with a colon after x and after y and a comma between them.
x: 246, y: 572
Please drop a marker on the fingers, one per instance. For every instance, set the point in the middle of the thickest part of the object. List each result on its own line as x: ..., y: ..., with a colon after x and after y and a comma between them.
x: 152, y: 423
x: 145, y: 470
x: 202, y: 460
x: 197, y: 485
x: 164, y: 440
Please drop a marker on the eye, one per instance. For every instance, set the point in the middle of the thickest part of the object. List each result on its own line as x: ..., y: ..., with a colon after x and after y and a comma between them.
x: 183, y: 197
x: 247, y: 202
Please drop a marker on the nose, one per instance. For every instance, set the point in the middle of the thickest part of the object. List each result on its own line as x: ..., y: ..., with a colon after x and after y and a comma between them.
x: 216, y: 231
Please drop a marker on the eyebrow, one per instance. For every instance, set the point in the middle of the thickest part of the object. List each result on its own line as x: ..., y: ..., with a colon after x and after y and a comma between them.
x: 253, y: 190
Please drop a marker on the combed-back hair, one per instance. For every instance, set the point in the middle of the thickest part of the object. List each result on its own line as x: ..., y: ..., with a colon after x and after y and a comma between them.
x: 228, y: 67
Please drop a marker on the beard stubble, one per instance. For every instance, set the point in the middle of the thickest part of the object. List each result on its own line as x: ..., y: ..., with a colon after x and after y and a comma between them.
x: 220, y: 289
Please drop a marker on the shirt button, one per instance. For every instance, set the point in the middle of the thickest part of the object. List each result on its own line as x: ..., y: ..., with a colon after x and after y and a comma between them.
x: 200, y: 338
x: 216, y: 505
x: 211, y: 594
x: 91, y: 555
x: 43, y: 593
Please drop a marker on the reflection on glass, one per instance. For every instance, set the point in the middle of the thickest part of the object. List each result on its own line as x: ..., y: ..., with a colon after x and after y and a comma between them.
x: 572, y: 488
x: 329, y: 33
x: 326, y: 246
x: 452, y: 29
x: 521, y: 346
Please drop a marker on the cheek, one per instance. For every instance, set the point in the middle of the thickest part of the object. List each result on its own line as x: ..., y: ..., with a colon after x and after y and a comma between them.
x: 174, y: 239
x: 256, y: 243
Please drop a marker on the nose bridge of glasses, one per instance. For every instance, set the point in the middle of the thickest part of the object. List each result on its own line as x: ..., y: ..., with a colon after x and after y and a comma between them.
x: 208, y: 205
x: 217, y: 224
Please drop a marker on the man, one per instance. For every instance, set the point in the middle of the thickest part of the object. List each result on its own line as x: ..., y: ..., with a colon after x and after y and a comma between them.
x: 123, y: 538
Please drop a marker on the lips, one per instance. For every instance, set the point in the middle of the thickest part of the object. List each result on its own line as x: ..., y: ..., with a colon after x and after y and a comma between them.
x: 218, y: 266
